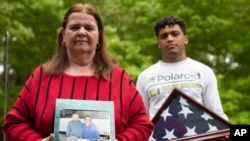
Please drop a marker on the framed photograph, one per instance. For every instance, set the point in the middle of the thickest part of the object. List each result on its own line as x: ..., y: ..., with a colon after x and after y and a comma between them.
x: 84, y: 120
x: 182, y: 118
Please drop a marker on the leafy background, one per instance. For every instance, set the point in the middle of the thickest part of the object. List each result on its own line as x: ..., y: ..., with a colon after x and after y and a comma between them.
x: 218, y: 36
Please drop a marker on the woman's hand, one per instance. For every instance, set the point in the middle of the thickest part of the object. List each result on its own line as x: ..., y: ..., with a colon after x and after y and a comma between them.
x: 49, y: 138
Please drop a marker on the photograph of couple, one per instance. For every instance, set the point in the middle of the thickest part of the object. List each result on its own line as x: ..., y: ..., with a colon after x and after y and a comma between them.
x: 80, y: 127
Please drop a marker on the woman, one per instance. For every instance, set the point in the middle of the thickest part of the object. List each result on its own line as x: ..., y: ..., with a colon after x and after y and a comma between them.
x: 82, y: 68
x: 89, y: 129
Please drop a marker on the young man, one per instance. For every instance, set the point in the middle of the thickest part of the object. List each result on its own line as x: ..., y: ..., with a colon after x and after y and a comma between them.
x: 176, y: 70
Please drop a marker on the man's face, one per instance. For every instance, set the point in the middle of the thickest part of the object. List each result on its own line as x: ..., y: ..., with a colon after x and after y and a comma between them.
x: 75, y: 116
x: 172, y: 42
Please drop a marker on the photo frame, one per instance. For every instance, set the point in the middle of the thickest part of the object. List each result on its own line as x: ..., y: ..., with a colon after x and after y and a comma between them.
x: 181, y: 118
x: 101, y: 113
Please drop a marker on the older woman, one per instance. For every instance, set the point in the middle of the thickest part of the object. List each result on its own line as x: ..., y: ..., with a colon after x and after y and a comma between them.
x: 82, y: 68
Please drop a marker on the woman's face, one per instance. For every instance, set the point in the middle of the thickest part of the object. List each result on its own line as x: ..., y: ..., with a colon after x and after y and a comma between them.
x: 81, y: 34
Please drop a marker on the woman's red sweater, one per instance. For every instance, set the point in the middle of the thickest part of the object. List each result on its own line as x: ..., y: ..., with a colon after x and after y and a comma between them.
x: 32, y: 115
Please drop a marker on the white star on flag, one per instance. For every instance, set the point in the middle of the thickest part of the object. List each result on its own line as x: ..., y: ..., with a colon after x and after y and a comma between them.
x: 212, y: 128
x: 169, y: 134
x: 185, y: 110
x: 206, y: 116
x: 166, y: 114
x: 190, y: 131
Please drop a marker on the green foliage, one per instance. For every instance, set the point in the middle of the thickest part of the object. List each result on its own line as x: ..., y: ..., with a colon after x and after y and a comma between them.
x: 235, y: 103
x: 126, y: 50
x: 217, y: 30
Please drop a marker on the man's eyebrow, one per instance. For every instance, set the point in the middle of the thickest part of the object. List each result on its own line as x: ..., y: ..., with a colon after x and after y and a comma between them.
x: 174, y: 31
x: 169, y: 32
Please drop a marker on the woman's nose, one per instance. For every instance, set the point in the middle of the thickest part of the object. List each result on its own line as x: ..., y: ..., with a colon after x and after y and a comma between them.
x: 82, y: 31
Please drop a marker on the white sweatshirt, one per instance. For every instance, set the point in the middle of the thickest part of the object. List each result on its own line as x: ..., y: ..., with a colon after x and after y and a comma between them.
x: 193, y: 78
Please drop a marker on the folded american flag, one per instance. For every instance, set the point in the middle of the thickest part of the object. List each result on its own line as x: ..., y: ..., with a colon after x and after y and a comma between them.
x: 180, y: 116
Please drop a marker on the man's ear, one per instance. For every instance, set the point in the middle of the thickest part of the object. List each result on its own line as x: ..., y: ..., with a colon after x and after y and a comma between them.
x: 158, y: 44
x: 186, y: 40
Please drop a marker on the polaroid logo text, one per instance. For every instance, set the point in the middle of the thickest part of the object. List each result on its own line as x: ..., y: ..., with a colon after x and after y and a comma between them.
x: 176, y: 77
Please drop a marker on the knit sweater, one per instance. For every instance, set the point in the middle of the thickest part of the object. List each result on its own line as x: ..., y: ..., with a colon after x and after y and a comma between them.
x: 32, y: 115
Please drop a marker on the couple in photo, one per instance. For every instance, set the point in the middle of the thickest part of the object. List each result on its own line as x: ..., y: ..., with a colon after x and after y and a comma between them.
x: 82, y: 131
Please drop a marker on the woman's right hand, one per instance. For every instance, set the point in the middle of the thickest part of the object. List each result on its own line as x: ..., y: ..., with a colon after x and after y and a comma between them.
x: 49, y: 138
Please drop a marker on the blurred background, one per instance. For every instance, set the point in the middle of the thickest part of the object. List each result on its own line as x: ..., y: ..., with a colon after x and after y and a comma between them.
x: 218, y: 36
